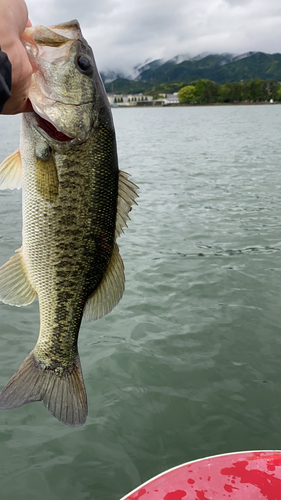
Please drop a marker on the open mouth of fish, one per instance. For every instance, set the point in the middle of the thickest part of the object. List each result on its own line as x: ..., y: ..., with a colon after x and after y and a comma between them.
x: 50, y: 129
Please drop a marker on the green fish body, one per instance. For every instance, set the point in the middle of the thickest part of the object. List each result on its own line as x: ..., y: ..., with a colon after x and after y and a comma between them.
x: 75, y: 203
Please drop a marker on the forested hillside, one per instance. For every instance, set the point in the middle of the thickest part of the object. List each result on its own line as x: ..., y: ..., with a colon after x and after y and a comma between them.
x: 170, y: 76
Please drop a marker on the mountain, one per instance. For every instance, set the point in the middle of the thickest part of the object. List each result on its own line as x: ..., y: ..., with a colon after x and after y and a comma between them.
x: 110, y: 76
x: 220, y: 68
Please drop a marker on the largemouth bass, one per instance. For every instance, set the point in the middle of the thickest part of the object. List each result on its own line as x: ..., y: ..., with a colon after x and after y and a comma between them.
x: 75, y: 204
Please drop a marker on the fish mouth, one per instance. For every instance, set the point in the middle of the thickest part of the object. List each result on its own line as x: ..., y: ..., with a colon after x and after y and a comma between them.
x: 50, y: 129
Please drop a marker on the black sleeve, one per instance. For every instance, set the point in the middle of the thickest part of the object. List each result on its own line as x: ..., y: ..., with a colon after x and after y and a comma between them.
x: 5, y: 79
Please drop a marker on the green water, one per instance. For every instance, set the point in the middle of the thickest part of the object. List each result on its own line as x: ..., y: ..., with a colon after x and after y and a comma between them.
x: 188, y: 364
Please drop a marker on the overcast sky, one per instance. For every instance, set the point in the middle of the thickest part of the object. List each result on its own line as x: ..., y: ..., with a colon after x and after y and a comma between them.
x: 123, y: 33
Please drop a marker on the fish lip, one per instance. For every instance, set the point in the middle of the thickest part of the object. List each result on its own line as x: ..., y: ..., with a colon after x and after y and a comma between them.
x: 52, y: 132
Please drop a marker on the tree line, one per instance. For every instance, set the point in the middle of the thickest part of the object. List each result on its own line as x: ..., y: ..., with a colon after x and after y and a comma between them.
x: 207, y: 92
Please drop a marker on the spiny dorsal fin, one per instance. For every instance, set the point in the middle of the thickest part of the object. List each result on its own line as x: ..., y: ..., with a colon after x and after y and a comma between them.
x: 109, y: 291
x: 10, y: 172
x: 126, y: 198
x: 15, y: 288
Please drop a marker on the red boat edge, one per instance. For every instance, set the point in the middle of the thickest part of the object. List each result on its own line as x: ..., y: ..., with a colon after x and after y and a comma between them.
x: 247, y: 475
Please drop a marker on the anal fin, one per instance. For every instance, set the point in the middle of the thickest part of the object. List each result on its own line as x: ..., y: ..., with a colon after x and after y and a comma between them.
x: 15, y: 287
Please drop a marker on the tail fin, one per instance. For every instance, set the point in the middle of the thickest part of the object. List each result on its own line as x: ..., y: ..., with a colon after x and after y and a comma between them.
x: 63, y: 394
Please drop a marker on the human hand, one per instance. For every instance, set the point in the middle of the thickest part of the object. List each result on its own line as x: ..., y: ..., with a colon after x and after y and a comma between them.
x: 13, y: 21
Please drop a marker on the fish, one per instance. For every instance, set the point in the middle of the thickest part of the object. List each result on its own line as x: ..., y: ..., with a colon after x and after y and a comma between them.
x: 75, y: 204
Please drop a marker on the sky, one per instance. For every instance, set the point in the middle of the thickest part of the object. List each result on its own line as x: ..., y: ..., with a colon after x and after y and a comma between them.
x: 126, y: 33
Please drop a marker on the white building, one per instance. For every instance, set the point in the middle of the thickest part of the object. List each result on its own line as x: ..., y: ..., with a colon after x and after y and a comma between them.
x: 172, y: 98
x: 167, y: 100
x: 127, y: 99
x: 134, y: 99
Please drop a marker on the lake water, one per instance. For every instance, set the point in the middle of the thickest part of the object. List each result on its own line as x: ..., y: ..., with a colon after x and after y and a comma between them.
x: 188, y: 364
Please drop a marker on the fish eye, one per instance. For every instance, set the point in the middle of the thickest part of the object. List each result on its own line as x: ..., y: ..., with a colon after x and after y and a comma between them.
x: 84, y: 64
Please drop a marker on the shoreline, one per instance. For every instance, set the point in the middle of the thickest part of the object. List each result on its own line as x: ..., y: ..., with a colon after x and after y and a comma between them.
x: 243, y: 103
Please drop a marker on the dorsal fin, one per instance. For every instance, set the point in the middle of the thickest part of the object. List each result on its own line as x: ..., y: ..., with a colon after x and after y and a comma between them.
x: 110, y: 289
x: 126, y: 198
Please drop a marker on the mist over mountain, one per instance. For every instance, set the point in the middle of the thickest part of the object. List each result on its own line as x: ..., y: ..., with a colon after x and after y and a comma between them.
x: 220, y: 68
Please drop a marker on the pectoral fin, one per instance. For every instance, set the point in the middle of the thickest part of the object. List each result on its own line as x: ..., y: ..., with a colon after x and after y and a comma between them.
x: 47, y: 177
x: 11, y: 172
x: 109, y: 291
x: 15, y: 287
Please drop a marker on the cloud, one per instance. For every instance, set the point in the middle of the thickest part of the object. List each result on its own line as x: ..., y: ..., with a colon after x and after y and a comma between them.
x: 234, y: 3
x: 123, y: 33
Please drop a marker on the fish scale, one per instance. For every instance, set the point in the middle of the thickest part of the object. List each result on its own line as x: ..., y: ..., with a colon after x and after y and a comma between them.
x: 75, y: 204
x: 72, y: 237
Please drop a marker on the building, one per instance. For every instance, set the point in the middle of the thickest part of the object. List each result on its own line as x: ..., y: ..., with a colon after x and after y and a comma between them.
x: 166, y: 100
x: 140, y: 99
x: 127, y: 99
x: 172, y: 99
